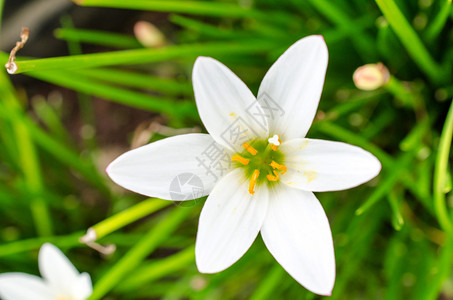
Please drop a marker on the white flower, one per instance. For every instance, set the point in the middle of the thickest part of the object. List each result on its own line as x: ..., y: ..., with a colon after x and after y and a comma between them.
x: 61, y: 280
x: 269, y: 186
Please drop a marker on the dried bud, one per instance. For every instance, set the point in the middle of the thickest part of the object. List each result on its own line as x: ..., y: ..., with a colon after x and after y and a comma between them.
x: 371, y: 76
x: 148, y: 35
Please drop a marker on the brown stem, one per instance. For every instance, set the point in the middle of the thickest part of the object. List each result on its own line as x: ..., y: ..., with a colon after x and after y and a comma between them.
x: 11, y: 66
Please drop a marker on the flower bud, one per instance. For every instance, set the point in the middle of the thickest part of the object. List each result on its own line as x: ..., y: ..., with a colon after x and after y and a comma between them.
x: 148, y: 34
x: 371, y: 76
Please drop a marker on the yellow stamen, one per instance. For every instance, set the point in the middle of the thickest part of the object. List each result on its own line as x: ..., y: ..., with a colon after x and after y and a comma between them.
x: 271, y: 177
x: 275, y: 165
x: 240, y: 159
x: 250, y: 149
x: 274, y: 147
x: 255, y: 175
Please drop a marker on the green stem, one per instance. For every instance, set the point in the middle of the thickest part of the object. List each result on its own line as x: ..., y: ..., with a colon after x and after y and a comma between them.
x: 85, y: 101
x: 440, y: 173
x: 203, y: 8
x: 398, y: 89
x: 361, y: 40
x: 267, y: 287
x: 32, y: 173
x: 398, y: 170
x: 138, y: 253
x: 28, y: 159
x: 395, y: 205
x: 415, y: 138
x: 345, y: 135
x: 439, y: 21
x: 86, y: 85
x: 207, y: 29
x: 157, y: 269
x: 65, y: 241
x: 442, y: 271
x: 2, y: 3
x: 58, y: 150
x: 138, y: 80
x: 94, y: 37
x: 129, y: 216
x: 387, y: 161
x: 411, y: 41
x: 51, y: 120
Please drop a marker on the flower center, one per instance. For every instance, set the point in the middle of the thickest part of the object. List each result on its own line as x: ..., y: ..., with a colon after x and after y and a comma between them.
x: 262, y: 161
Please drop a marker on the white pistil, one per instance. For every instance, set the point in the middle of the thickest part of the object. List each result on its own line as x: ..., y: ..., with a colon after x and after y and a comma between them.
x: 274, y: 140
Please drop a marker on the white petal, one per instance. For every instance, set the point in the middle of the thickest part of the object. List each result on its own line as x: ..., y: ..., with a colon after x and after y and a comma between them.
x: 297, y: 233
x: 56, y: 268
x: 291, y: 89
x: 229, y: 222
x: 178, y: 168
x: 319, y: 166
x: 227, y: 107
x: 82, y: 287
x: 20, y: 286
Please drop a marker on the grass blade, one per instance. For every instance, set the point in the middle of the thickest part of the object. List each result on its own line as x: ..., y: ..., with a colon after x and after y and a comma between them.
x: 132, y: 259
x: 138, y: 80
x: 203, y: 8
x: 141, y: 56
x: 89, y: 86
x: 28, y: 159
x: 63, y: 241
x: 439, y: 21
x: 411, y: 41
x: 94, y: 37
x: 387, y: 184
x: 440, y: 173
x: 128, y: 216
x: 155, y: 270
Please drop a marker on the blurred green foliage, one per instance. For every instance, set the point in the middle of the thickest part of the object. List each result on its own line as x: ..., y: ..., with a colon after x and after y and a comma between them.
x: 393, y: 236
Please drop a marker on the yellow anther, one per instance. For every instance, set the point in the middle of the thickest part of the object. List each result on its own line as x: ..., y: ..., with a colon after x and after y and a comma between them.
x: 275, y: 165
x: 274, y: 147
x: 240, y: 159
x: 250, y: 149
x: 255, y: 175
x: 271, y: 177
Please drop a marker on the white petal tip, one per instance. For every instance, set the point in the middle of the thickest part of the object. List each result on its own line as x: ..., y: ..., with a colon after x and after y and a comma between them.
x: 314, y: 39
x: 207, y: 267
x: 110, y: 167
x: 107, y: 169
x: 48, y: 252
x: 327, y: 293
x: 377, y: 167
x: 205, y: 271
x: 321, y: 290
x: 111, y: 170
x: 203, y: 59
x: 318, y: 36
x: 46, y: 247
